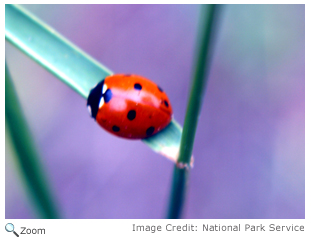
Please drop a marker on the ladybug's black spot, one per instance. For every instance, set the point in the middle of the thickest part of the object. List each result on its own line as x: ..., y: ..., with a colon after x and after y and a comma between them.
x: 149, y: 131
x: 94, y: 98
x: 165, y: 103
x: 131, y: 115
x: 137, y: 86
x: 107, y: 95
x: 116, y: 128
x: 161, y: 90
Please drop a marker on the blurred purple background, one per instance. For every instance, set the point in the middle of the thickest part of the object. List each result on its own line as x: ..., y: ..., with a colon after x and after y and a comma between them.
x: 249, y: 146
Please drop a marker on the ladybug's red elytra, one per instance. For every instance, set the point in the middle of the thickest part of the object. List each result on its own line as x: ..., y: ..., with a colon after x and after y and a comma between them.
x: 129, y: 106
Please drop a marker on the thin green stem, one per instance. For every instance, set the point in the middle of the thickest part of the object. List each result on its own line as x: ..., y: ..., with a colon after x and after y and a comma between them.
x: 201, y: 70
x: 27, y: 158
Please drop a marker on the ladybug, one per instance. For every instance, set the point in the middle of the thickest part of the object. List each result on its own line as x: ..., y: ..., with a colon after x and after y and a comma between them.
x: 129, y: 106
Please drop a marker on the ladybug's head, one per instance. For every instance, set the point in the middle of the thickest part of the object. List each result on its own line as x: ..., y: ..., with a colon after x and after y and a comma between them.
x: 93, y: 101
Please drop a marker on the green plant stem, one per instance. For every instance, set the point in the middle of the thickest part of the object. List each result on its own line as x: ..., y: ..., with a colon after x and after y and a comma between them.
x: 27, y: 158
x: 201, y: 70
x: 52, y: 51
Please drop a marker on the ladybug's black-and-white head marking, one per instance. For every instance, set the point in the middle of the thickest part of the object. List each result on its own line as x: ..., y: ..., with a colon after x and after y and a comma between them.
x: 94, y: 99
x: 98, y: 96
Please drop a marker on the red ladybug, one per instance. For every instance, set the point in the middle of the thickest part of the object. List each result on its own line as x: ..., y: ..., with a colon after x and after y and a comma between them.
x: 129, y: 106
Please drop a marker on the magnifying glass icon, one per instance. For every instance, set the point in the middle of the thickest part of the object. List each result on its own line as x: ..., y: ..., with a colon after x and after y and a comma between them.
x: 10, y: 228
